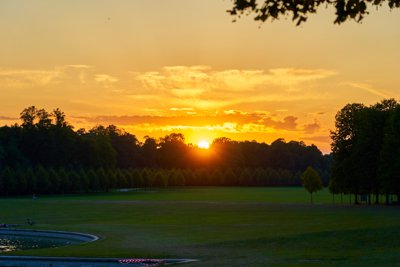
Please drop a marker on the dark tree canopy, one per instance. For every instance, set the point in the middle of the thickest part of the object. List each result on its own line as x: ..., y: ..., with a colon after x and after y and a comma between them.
x: 45, y: 155
x: 365, y: 150
x: 299, y: 10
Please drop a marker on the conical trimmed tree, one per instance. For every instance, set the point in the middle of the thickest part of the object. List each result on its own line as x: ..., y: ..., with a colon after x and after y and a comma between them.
x: 312, y: 181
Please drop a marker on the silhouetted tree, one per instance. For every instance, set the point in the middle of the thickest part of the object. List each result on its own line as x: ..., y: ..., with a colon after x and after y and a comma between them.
x: 149, y: 153
x: 138, y: 180
x: 60, y: 120
x: 28, y: 116
x: 202, y: 176
x: 230, y: 177
x: 362, y: 150
x: 343, y: 147
x: 43, y: 182
x: 125, y: 145
x: 173, y: 151
x: 245, y: 177
x: 389, y: 168
x: 121, y: 181
x: 54, y: 180
x: 44, y: 119
x: 333, y: 188
x: 217, y: 177
x: 75, y: 181
x: 103, y: 180
x: 21, y: 181
x: 300, y: 10
x: 189, y: 176
x: 146, y: 178
x: 31, y: 181
x: 93, y: 180
x: 159, y: 179
x: 65, y: 184
x: 84, y: 180
x: 8, y: 185
x: 111, y: 180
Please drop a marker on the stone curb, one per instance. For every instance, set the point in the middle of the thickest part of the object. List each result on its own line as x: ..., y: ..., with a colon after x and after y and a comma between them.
x: 50, y: 233
x: 35, y: 261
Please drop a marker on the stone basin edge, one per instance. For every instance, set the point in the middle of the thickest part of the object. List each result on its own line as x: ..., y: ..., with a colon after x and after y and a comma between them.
x: 50, y: 233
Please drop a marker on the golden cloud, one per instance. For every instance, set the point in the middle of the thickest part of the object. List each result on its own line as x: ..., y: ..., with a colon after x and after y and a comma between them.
x: 319, y: 139
x: 311, y: 127
x: 239, y: 121
x: 288, y: 123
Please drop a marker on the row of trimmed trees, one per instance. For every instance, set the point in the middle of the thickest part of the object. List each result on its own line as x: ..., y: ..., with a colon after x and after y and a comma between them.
x: 366, y: 151
x: 40, y: 180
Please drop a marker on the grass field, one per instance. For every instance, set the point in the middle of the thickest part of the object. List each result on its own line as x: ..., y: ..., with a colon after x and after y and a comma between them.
x: 218, y: 226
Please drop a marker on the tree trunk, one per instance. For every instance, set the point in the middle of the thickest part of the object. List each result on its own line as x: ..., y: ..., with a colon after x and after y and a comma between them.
x: 333, y: 198
x: 369, y: 199
x: 341, y: 198
x: 356, y: 199
x: 377, y: 198
x: 311, y: 197
x: 387, y: 199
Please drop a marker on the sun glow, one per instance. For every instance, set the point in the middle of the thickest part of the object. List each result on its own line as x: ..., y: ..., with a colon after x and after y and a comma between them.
x: 203, y: 144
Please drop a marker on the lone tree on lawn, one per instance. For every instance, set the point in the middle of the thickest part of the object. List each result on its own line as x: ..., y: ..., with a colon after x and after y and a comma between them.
x: 311, y: 180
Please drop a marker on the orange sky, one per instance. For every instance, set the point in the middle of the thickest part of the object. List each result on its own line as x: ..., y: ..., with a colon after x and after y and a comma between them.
x: 160, y: 66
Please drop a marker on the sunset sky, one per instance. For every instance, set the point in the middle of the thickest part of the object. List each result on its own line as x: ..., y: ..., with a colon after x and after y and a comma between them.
x: 154, y: 67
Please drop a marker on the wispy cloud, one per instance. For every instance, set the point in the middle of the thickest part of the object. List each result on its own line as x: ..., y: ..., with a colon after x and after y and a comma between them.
x: 203, y: 87
x: 7, y: 118
x: 23, y: 78
x: 68, y: 75
x: 292, y: 76
x: 199, y: 87
x: 369, y: 88
x: 79, y: 66
x: 205, y: 78
x: 105, y: 78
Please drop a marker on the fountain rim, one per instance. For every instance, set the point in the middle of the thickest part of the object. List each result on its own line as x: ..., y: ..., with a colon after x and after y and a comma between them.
x: 84, y: 237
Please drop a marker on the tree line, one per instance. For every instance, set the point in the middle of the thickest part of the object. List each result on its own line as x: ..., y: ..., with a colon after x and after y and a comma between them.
x: 366, y: 152
x: 41, y: 180
x: 47, y: 142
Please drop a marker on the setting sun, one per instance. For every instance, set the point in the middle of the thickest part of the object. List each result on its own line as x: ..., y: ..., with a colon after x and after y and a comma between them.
x: 204, y: 144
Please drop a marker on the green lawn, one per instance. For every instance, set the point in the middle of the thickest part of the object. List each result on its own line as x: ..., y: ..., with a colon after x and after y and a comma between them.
x: 219, y: 226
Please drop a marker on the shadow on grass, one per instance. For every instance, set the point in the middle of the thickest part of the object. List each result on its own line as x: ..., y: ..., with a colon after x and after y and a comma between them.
x: 359, y: 247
